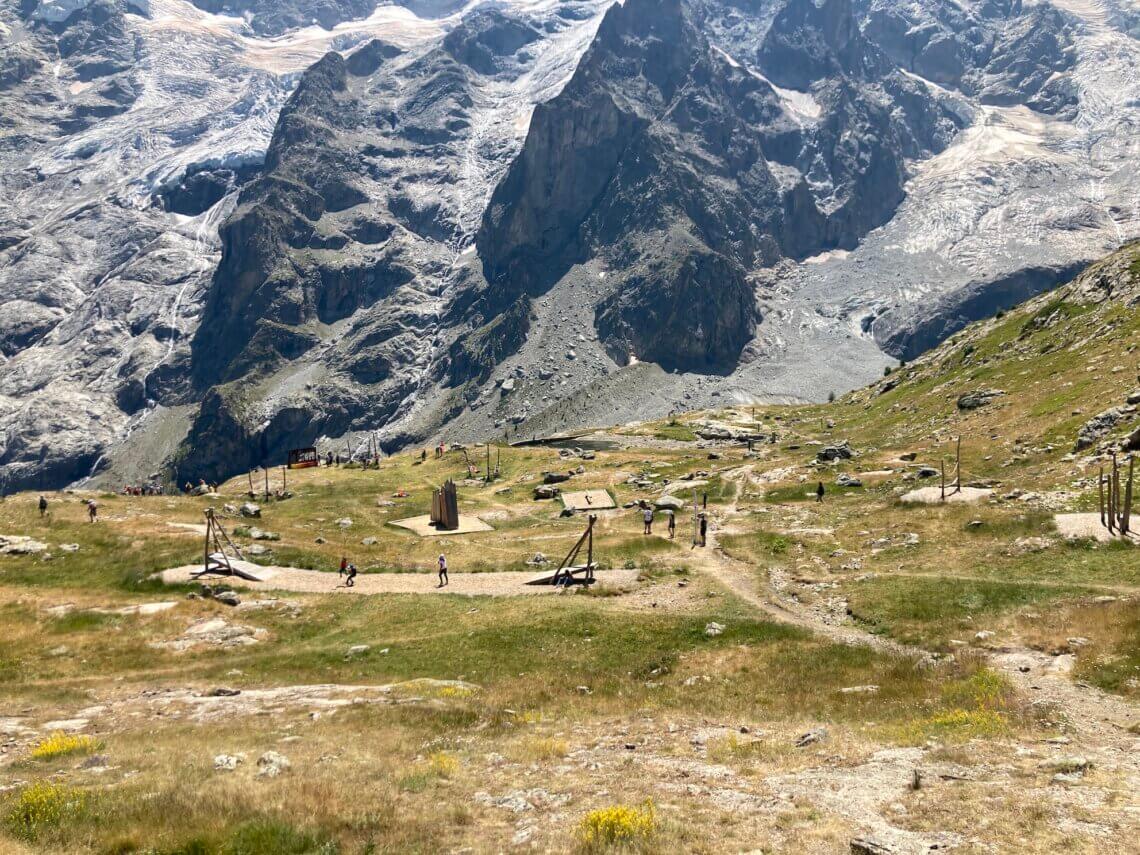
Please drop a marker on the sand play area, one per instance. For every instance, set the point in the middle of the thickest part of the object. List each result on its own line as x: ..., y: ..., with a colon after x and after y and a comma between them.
x: 1082, y: 526
x: 424, y: 528
x: 589, y: 500
x: 505, y: 584
x: 933, y: 496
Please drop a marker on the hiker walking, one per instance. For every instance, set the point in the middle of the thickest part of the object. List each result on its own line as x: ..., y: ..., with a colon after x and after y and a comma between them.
x: 819, y: 491
x: 704, y: 529
x: 672, y: 523
x: 43, y: 506
x: 350, y: 578
x: 343, y: 566
x: 647, y: 515
x: 92, y: 510
x: 442, y: 570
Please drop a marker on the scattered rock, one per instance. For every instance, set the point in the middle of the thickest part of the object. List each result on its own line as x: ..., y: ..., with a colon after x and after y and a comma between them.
x: 1098, y: 426
x: 546, y: 491
x: 369, y: 541
x: 926, y: 472
x: 344, y: 522
x: 15, y: 544
x: 867, y: 846
x: 812, y: 737
x: 229, y: 598
x: 260, y: 534
x: 271, y: 764
x: 555, y: 477
x: 226, y: 762
x: 859, y: 690
x: 357, y: 650
x: 845, y: 480
x: 223, y: 692
x: 978, y: 398
x: 249, y: 509
x: 714, y: 629
x: 69, y: 547
x: 839, y: 451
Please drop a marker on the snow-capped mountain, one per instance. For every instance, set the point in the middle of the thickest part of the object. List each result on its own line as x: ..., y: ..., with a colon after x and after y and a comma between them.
x: 229, y: 228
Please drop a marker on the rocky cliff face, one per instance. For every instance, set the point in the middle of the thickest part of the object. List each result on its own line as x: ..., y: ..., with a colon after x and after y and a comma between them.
x: 229, y: 228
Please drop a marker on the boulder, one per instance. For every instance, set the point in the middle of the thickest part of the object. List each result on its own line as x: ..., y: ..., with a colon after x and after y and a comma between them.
x: 546, y: 491
x: 926, y: 472
x: 249, y: 509
x: 555, y: 477
x: 845, y: 480
x: 1099, y: 425
x: 669, y: 502
x: 229, y: 598
x: 260, y: 534
x: 226, y: 762
x: 271, y: 764
x: 838, y: 451
x: 978, y: 398
x: 713, y: 629
x: 15, y: 544
x: 344, y: 522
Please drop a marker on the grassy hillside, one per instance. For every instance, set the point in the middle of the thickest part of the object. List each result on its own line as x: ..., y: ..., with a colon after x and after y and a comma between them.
x: 967, y: 644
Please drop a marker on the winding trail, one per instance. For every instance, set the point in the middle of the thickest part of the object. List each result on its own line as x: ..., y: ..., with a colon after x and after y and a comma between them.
x: 1101, y: 721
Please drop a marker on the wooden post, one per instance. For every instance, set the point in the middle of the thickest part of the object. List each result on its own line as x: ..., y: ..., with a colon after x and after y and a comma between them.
x: 943, y: 498
x: 209, y: 531
x: 488, y: 462
x: 250, y: 474
x: 1126, y: 518
x: 266, y: 470
x: 284, y: 478
x: 590, y: 542
x: 1100, y: 495
x: 1111, y: 506
x: 958, y: 466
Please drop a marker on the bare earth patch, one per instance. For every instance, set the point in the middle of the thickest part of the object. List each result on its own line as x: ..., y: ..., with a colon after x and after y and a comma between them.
x: 933, y: 496
x: 1086, y: 526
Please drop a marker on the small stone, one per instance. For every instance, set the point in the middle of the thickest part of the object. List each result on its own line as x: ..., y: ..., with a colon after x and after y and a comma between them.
x: 249, y: 509
x: 357, y: 650
x: 369, y: 541
x: 714, y: 629
x: 226, y: 762
x: 271, y: 764
x: 229, y: 598
x: 223, y: 692
x: 812, y: 737
x: 344, y: 522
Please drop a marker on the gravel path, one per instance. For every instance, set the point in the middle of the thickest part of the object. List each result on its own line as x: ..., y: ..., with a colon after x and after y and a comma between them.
x: 318, y: 582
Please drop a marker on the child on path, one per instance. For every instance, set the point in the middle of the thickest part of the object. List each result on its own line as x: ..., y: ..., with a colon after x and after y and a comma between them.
x: 442, y: 570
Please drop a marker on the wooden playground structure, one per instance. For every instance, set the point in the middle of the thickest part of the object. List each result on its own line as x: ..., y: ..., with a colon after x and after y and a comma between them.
x: 216, y: 560
x: 568, y: 573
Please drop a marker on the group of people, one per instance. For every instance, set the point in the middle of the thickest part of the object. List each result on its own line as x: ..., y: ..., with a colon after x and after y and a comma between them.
x: 92, y: 508
x: 671, y: 522
x: 348, y: 571
x: 144, y: 490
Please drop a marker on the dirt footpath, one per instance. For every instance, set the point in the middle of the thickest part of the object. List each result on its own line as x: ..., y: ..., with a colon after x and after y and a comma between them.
x: 318, y: 582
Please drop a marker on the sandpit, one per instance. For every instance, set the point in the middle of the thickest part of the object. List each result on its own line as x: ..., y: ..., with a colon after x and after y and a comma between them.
x: 589, y: 500
x: 423, y: 527
x: 933, y: 496
x: 1087, y: 527
x: 505, y: 584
